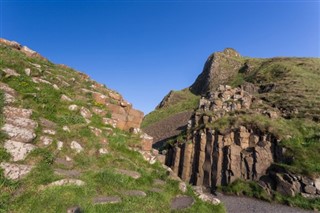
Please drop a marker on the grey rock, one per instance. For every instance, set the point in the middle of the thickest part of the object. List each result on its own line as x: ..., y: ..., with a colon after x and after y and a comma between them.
x: 182, y: 202
x: 106, y: 200
x: 156, y: 190
x: 137, y: 193
x: 310, y: 189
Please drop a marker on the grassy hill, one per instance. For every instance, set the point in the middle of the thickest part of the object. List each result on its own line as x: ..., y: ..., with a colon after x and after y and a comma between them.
x: 67, y: 120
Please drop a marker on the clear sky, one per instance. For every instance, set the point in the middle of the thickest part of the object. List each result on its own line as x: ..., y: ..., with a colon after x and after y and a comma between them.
x: 143, y: 49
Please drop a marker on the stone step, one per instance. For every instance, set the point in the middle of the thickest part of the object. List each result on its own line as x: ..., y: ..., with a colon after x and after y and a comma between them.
x: 68, y: 173
x: 15, y: 171
x: 182, y: 202
x: 9, y: 111
x: 106, y: 200
x: 18, y: 133
x: 135, y: 193
x: 22, y: 122
x: 64, y: 182
x: 18, y: 150
x: 133, y: 174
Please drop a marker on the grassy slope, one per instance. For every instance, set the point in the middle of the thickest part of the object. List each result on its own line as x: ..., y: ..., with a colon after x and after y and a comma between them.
x: 180, y: 101
x: 97, y: 171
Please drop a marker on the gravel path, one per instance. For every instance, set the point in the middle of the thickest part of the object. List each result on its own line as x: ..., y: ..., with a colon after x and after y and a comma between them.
x: 236, y: 204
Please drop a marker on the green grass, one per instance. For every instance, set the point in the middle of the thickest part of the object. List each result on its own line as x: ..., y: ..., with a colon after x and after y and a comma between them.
x: 101, y: 180
x: 179, y: 101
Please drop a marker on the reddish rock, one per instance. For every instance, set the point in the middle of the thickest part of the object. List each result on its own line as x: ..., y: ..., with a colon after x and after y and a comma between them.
x: 99, y: 98
x: 146, y: 142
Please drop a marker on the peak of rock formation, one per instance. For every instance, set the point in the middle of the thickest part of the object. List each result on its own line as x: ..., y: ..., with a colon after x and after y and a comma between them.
x: 219, y: 68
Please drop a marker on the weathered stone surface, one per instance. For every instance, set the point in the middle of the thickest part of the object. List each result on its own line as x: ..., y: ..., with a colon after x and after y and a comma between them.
x: 181, y: 202
x: 27, y: 71
x: 18, y: 150
x: 66, y: 128
x: 310, y: 189
x: 183, y: 187
x: 146, y: 142
x: 49, y: 131
x: 10, y: 72
x: 73, y: 107
x: 46, y: 141
x: 115, y: 96
x: 66, y: 98
x: 95, y: 130
x: 40, y: 80
x: 45, y: 123
x: 137, y: 193
x: 22, y: 122
x: 76, y: 146
x: 159, y: 182
x: 133, y: 174
x: 317, y: 183
x: 15, y: 171
x: 9, y: 111
x: 60, y: 145
x: 5, y: 88
x: 66, y: 182
x: 18, y: 133
x: 284, y: 187
x: 9, y: 99
x: 106, y: 200
x: 85, y: 113
x: 99, y: 98
x: 103, y: 151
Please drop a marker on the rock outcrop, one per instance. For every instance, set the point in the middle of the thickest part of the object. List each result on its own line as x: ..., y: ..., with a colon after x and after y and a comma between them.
x: 210, y: 156
x: 218, y: 69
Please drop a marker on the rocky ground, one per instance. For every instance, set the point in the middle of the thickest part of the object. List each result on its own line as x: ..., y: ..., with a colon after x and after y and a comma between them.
x: 236, y: 204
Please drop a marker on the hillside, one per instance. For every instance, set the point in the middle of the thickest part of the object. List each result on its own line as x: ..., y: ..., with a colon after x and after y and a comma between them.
x: 70, y: 144
x: 253, y: 126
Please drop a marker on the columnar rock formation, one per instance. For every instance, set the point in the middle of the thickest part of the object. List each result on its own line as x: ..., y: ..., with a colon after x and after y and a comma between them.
x: 209, y: 156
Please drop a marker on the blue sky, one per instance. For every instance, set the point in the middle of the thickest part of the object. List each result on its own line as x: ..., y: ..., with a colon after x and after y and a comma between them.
x: 143, y: 49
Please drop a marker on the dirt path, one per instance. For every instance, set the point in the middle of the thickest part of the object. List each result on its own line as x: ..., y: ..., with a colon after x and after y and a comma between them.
x: 236, y: 204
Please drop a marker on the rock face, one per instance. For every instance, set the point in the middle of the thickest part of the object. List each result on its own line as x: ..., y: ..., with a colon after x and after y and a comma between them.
x: 218, y: 69
x: 210, y: 157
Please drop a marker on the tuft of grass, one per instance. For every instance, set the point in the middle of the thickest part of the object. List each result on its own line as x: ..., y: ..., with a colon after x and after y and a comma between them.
x: 247, y: 188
